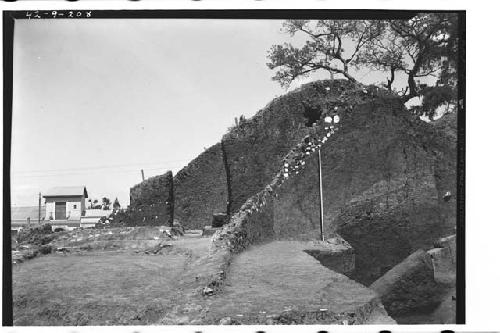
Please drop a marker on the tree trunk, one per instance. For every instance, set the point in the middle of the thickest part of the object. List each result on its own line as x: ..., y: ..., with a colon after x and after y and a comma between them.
x: 391, y: 80
x: 346, y: 73
x: 412, y: 87
x: 350, y: 78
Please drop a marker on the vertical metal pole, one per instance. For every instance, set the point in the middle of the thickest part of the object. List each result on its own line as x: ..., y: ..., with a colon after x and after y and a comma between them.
x: 39, y: 206
x: 320, y: 195
x: 142, y: 173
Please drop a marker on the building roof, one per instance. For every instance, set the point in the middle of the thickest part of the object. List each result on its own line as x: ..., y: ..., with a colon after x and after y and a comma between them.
x: 66, y: 191
x: 22, y: 213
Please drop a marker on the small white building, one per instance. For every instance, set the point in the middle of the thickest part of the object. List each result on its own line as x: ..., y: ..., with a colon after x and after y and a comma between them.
x: 64, y: 206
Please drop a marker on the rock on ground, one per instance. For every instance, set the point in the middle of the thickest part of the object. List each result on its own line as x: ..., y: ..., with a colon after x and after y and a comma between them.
x: 409, y: 286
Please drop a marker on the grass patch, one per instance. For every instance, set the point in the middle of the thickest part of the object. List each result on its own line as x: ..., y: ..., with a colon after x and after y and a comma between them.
x: 102, y: 288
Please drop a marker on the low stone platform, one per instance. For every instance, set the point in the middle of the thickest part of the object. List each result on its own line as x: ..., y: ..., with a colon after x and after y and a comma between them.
x: 279, y: 283
x: 209, y: 231
x: 334, y: 253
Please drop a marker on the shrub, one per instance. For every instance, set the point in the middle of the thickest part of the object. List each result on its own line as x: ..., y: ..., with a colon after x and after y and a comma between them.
x: 46, y: 239
x: 46, y: 229
x: 31, y: 254
x: 35, y: 234
x: 45, y: 249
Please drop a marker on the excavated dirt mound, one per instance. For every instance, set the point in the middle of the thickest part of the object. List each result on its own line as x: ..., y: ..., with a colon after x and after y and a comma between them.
x: 385, y: 175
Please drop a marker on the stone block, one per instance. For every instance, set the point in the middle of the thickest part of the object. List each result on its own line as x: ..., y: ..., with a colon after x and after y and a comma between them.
x: 219, y: 219
x: 449, y: 243
x: 409, y: 286
x: 335, y: 254
x: 209, y: 231
x: 443, y: 258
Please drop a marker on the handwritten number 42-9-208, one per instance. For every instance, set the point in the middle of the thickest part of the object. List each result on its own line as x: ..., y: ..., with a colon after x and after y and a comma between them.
x: 54, y: 14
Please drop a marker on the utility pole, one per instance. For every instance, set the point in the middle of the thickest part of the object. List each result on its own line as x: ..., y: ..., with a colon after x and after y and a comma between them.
x: 320, y: 195
x: 142, y: 173
x: 39, y: 206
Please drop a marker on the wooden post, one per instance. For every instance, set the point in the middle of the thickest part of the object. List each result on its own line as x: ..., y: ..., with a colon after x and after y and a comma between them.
x: 39, y: 206
x: 142, y: 173
x: 28, y: 221
x: 320, y: 196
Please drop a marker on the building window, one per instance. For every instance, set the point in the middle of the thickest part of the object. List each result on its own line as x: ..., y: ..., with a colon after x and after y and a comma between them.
x: 74, y: 206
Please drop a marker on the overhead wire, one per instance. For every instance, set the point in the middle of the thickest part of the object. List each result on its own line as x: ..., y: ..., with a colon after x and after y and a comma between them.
x: 117, y: 169
x: 100, y: 167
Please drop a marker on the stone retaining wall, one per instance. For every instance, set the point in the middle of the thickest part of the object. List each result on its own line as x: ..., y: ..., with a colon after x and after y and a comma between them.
x: 201, y: 189
x: 152, y: 202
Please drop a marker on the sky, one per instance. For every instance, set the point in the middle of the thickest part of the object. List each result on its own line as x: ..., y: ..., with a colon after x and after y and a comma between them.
x: 96, y: 101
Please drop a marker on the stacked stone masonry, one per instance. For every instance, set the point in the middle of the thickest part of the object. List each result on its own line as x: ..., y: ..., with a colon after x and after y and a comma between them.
x: 201, y: 189
x: 152, y: 202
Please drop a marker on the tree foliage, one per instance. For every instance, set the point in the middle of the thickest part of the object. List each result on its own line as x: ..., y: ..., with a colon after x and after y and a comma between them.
x: 324, y: 49
x: 106, y: 203
x: 116, y: 204
x: 425, y: 45
x: 432, y: 98
x: 424, y: 41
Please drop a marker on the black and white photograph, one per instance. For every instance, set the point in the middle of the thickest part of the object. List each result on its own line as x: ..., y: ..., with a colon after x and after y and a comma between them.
x: 295, y: 167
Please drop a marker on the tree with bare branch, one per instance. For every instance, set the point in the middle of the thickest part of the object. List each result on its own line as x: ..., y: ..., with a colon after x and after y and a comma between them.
x: 423, y: 46
x: 324, y: 49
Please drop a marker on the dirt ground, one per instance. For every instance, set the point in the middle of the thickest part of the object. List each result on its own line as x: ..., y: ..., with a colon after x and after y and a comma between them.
x: 277, y: 278
x: 129, y: 287
x: 103, y: 287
